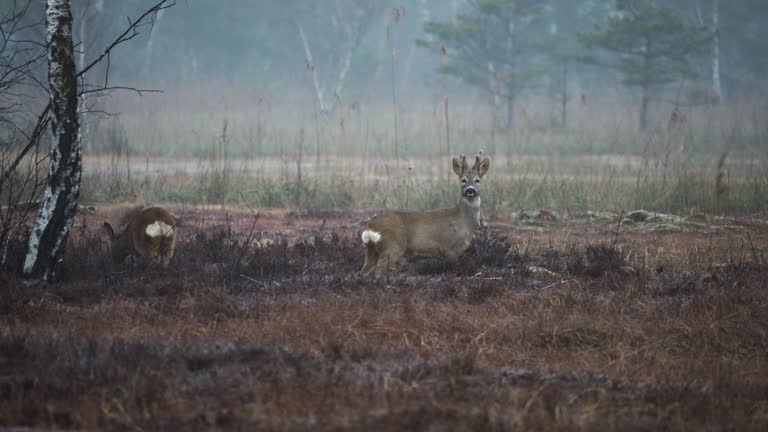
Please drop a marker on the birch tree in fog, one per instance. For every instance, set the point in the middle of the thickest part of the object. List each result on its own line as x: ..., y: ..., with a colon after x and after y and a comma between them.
x: 346, y: 22
x: 716, y: 83
x: 48, y: 238
x: 88, y: 16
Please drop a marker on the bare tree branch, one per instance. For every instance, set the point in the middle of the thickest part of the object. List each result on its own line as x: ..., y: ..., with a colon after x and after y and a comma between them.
x: 130, y: 32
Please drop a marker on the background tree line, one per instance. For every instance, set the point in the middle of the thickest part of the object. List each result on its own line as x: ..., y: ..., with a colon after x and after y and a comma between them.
x: 707, y: 50
x: 258, y: 43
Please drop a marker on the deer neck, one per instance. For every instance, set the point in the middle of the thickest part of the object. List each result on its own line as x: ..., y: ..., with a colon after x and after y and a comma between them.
x: 469, y: 210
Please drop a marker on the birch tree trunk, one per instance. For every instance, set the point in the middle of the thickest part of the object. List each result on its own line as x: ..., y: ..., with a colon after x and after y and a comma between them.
x: 494, y: 84
x: 151, y: 41
x: 716, y: 85
x: 350, y: 21
x: 48, y: 238
x: 346, y: 63
x: 312, y: 68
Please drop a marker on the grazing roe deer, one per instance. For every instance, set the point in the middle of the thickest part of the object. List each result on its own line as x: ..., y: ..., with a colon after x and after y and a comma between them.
x: 391, y: 237
x: 150, y: 234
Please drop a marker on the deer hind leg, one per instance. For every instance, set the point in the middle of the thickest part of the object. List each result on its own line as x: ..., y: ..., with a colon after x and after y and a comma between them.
x: 169, y: 246
x: 391, y: 258
x: 371, y: 258
x: 150, y: 251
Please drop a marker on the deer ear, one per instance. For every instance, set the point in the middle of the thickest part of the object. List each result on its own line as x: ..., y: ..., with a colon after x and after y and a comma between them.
x: 458, y: 168
x: 110, y: 232
x: 483, y: 167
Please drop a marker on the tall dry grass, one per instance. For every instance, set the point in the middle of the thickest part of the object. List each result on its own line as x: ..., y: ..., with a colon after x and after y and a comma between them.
x: 214, y: 145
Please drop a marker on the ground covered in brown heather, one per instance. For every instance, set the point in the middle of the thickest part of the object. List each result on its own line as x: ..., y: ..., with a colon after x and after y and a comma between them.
x: 551, y: 321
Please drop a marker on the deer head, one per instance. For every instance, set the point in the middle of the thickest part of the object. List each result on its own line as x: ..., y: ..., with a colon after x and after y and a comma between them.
x: 470, y: 177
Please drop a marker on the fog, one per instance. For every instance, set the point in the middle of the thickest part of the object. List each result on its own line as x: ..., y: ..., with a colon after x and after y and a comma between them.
x: 257, y: 46
x: 311, y: 91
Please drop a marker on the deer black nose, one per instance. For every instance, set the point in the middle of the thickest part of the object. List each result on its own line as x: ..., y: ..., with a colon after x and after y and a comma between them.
x: 470, y: 191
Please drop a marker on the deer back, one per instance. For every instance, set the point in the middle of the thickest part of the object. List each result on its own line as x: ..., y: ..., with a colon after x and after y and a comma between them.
x: 438, y: 232
x: 144, y: 232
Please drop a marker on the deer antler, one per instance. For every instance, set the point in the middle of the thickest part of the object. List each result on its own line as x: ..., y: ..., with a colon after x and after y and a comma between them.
x: 478, y: 159
x: 464, y: 165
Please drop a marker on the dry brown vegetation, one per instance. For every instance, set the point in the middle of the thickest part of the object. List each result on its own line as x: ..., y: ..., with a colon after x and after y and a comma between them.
x: 539, y: 326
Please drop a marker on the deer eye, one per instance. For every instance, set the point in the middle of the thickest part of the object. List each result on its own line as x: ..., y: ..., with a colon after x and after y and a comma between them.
x: 477, y: 180
x: 463, y: 181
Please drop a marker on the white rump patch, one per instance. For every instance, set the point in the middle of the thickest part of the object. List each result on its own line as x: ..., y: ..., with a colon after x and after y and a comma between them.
x: 159, y: 229
x: 371, y: 236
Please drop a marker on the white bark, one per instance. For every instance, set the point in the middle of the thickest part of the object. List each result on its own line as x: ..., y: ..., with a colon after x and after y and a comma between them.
x: 312, y: 68
x: 82, y: 107
x: 716, y: 85
x: 49, y: 234
x: 346, y: 63
x: 151, y: 41
x: 81, y: 55
x: 352, y: 29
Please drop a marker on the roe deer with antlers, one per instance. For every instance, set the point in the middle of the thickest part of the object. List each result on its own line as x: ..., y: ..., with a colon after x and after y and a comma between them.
x: 391, y: 237
x: 150, y: 234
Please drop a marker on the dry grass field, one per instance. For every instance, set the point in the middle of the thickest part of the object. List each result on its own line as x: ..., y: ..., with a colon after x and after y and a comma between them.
x: 560, y: 316
x: 619, y: 281
x: 551, y: 321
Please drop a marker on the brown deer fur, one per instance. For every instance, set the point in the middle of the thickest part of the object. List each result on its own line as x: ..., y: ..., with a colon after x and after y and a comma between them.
x: 391, y: 237
x: 150, y: 234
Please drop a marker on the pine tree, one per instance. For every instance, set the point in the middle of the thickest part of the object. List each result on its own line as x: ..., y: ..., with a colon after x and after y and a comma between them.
x: 649, y: 45
x: 488, y: 45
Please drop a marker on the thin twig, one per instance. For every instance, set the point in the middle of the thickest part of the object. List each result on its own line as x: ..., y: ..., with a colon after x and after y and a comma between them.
x: 755, y: 256
x: 129, y: 33
x: 554, y: 285
x: 262, y: 284
x: 319, y: 231
x: 42, y: 122
x: 618, y: 228
x: 249, y: 238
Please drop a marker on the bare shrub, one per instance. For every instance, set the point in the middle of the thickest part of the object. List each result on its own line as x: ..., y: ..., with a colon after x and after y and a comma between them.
x: 596, y: 259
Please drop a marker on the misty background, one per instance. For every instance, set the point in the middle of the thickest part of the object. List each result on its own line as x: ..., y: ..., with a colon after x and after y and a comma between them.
x: 255, y: 46
x: 582, y: 103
